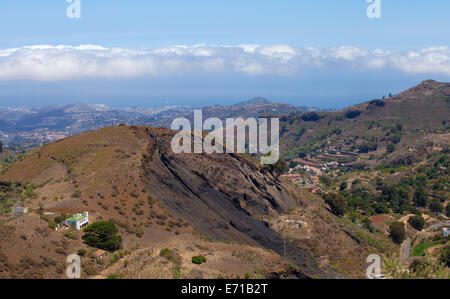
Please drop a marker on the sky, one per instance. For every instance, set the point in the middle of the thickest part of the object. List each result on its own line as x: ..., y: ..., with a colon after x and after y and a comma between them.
x: 323, y: 53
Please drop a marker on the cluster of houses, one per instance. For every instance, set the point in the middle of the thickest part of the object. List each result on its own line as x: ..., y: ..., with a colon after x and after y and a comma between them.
x: 306, y: 174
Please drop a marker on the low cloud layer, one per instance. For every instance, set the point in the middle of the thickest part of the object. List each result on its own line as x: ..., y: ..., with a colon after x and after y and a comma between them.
x: 55, y: 63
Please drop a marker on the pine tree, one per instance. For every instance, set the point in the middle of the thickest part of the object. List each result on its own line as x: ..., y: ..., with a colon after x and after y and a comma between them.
x: 420, y: 196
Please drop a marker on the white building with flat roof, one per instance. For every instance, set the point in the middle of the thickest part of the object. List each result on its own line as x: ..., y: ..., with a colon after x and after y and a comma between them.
x: 78, y: 221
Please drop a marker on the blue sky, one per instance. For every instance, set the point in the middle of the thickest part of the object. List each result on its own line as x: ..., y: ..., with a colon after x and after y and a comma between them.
x: 334, y: 80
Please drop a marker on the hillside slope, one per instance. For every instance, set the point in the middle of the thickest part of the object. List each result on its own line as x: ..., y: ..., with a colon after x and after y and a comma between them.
x: 130, y: 176
x: 396, y: 129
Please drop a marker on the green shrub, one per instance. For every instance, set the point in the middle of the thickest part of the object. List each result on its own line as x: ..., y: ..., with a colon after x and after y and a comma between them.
x: 198, y: 259
x: 70, y: 235
x: 436, y: 206
x: 352, y: 114
x: 445, y: 256
x: 61, y: 218
x: 390, y: 148
x: 76, y: 194
x: 170, y: 255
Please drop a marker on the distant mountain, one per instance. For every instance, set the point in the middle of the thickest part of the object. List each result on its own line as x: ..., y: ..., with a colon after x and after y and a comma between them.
x: 255, y: 102
x: 79, y: 108
x: 34, y: 124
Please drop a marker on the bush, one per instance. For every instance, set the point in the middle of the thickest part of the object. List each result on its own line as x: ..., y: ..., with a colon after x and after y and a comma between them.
x: 337, y: 203
x: 343, y: 186
x: 445, y: 256
x: 397, y: 232
x: 280, y: 167
x: 326, y: 180
x: 102, y: 235
x: 352, y: 114
x: 70, y: 235
x: 396, y: 138
x: 310, y: 116
x: 390, y: 148
x: 420, y: 196
x: 198, y: 259
x: 81, y: 252
x: 378, y: 103
x: 76, y: 194
x: 60, y: 218
x: 436, y: 206
x: 417, y: 222
x: 171, y: 255
x: 368, y: 147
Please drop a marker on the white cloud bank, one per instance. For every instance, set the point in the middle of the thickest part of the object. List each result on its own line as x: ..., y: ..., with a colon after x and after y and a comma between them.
x: 53, y: 63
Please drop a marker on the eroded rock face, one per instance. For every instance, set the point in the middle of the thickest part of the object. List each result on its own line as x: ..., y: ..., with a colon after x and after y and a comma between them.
x: 222, y: 195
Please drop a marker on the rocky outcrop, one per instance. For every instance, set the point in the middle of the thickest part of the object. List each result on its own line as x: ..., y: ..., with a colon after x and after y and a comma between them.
x: 222, y: 195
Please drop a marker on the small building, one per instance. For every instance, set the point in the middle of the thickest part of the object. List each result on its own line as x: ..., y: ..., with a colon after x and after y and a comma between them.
x: 445, y: 232
x: 333, y: 164
x: 100, y: 253
x: 22, y: 210
x: 78, y: 221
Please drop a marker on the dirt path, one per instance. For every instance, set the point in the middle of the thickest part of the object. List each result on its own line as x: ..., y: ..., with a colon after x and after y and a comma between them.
x: 405, y: 248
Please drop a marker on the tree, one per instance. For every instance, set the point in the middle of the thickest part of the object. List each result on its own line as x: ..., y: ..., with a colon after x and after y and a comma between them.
x: 420, y: 196
x: 1, y: 147
x: 368, y: 147
x: 436, y: 206
x: 310, y: 116
x: 337, y: 203
x: 445, y: 256
x: 61, y: 218
x: 343, y: 186
x: 418, y: 266
x: 325, y: 180
x: 390, y: 148
x: 397, y: 232
x: 417, y: 222
x: 280, y: 167
x: 447, y: 210
x: 103, y: 235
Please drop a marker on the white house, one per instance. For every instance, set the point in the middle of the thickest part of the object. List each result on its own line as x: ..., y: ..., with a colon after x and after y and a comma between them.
x: 78, y: 221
